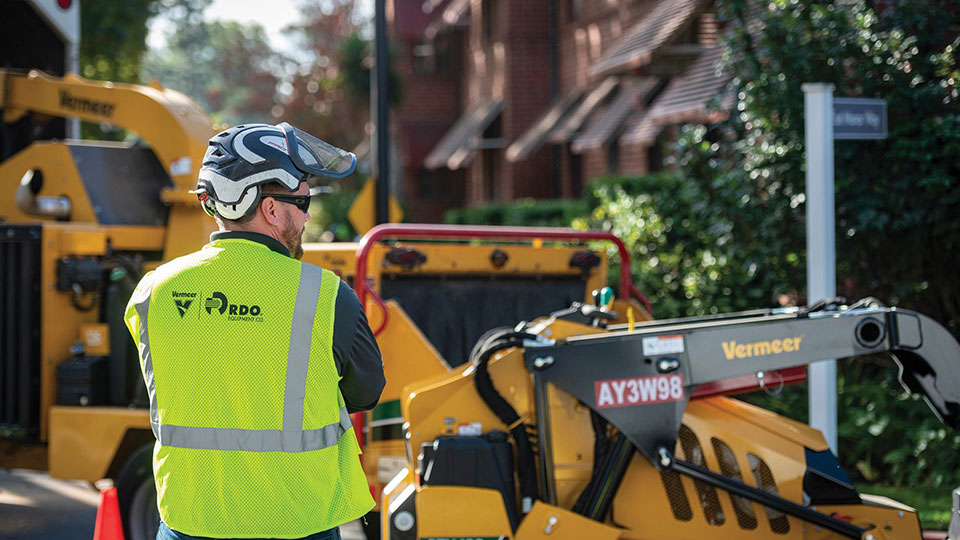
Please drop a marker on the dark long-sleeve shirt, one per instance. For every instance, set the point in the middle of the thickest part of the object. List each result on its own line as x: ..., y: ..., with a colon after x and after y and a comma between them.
x: 356, y: 353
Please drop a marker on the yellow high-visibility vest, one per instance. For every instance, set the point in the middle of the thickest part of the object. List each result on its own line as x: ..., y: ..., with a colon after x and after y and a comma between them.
x: 253, y: 435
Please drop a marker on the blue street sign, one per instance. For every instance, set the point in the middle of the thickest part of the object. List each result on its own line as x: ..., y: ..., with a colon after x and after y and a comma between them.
x: 859, y: 118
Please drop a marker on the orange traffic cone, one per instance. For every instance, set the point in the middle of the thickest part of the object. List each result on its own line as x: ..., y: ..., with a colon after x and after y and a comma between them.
x: 109, y: 526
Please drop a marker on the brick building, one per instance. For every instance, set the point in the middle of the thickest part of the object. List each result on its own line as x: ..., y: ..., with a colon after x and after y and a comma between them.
x: 533, y: 98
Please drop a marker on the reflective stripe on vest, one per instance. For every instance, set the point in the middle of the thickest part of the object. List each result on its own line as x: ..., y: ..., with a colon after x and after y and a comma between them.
x: 292, y: 438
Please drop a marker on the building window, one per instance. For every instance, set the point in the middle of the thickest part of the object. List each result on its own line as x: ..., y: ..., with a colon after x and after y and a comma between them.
x: 491, y: 159
x: 436, y: 57
x: 691, y: 34
x: 576, y: 173
x: 443, y: 185
x: 655, y: 152
x: 424, y: 59
x: 613, y: 157
x: 489, y: 20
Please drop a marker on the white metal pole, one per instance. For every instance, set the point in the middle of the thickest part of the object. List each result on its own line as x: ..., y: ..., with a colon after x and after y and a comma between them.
x: 72, y: 65
x: 821, y: 250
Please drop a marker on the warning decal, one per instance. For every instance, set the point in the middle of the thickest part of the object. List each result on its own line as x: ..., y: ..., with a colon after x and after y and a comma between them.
x: 638, y: 390
x: 652, y: 346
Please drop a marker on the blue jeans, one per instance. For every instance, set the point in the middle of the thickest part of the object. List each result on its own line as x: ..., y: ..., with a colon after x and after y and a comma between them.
x: 166, y: 533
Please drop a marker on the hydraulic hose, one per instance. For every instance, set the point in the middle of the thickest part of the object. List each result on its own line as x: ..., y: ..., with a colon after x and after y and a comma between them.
x: 488, y: 345
x: 601, y: 451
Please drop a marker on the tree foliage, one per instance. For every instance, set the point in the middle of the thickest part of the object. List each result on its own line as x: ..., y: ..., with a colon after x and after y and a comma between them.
x: 329, y: 96
x: 733, y: 214
x: 317, y: 101
x: 229, y: 68
x: 685, y: 252
x: 896, y: 238
x: 731, y: 222
x: 113, y: 38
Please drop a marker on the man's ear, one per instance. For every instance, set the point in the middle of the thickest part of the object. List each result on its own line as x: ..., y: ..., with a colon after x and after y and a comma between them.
x: 270, y: 212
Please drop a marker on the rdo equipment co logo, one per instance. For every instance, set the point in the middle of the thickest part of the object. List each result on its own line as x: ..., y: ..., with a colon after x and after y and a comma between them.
x: 235, y: 312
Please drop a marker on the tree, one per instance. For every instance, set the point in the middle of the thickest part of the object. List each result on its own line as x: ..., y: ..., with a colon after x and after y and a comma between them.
x: 323, y: 98
x: 317, y: 101
x: 113, y: 35
x: 113, y: 40
x: 895, y: 198
x: 229, y: 68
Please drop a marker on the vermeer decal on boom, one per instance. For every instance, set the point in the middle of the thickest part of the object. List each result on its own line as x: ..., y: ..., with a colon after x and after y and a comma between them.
x: 638, y: 390
x: 732, y: 349
x: 86, y: 105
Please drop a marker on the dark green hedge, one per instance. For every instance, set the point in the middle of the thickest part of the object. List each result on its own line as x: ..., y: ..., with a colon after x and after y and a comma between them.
x: 527, y: 212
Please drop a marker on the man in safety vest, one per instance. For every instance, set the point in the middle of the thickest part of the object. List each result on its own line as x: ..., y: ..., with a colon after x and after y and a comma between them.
x: 252, y: 359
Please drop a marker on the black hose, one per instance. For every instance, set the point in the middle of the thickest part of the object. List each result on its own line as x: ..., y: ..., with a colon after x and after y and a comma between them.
x: 601, y: 453
x: 488, y: 345
x: 614, y: 469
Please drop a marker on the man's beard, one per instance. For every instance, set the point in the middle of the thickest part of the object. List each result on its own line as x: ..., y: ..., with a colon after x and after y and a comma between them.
x: 293, y: 237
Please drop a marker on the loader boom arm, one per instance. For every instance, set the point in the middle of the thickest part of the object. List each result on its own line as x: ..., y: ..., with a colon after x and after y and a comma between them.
x: 169, y: 122
x: 641, y: 380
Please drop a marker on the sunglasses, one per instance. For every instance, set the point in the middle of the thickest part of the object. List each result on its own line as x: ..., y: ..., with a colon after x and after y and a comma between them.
x: 300, y: 201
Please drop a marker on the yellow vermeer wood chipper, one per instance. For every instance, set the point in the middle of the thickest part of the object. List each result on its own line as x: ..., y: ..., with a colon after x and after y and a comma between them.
x: 579, y: 431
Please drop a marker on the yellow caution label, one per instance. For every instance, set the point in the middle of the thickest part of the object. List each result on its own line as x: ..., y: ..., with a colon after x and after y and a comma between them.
x: 732, y: 349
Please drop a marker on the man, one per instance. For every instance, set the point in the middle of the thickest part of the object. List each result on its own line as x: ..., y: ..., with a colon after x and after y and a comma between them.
x: 252, y: 359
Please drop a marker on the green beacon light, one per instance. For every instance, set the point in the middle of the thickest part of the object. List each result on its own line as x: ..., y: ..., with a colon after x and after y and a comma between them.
x: 606, y: 297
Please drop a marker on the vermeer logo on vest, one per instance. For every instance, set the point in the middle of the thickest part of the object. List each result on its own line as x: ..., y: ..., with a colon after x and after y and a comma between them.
x: 235, y: 312
x: 732, y: 349
x: 183, y: 301
x: 85, y: 105
x: 638, y: 390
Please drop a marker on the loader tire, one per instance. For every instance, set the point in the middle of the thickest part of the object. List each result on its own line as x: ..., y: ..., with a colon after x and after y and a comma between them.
x: 137, y: 495
x: 371, y: 529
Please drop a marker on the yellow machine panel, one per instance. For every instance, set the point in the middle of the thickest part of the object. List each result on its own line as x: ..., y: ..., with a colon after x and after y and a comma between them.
x: 407, y: 354
x: 452, y: 512
x: 447, y: 404
x: 546, y: 522
x: 338, y: 257
x: 83, y: 440
x: 171, y: 123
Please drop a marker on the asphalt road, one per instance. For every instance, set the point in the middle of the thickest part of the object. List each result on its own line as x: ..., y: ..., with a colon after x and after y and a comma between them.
x: 34, y: 506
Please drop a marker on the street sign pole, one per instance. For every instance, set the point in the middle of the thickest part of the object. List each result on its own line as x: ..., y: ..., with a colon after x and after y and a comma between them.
x: 382, y: 118
x: 821, y: 250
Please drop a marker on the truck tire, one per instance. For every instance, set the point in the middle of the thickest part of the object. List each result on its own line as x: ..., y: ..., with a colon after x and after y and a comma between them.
x: 137, y: 495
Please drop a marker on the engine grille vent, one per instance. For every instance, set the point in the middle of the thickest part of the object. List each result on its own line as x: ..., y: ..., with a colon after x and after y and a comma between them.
x: 764, y: 480
x: 676, y: 495
x: 707, y: 494
x: 19, y: 332
x: 743, y: 509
